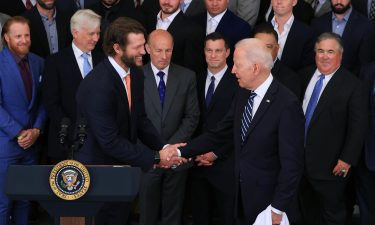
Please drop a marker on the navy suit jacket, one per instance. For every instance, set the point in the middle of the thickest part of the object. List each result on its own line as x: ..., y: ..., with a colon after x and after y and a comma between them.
x: 60, y: 83
x: 221, y: 173
x: 232, y: 26
x: 70, y: 7
x: 368, y: 76
x: 338, y: 124
x: 358, y: 38
x: 269, y: 164
x: 39, y: 41
x: 16, y: 111
x: 287, y: 77
x: 113, y: 130
x: 299, y: 46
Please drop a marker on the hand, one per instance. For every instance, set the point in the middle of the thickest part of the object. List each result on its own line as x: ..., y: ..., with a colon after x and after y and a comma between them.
x: 169, y: 156
x: 27, y: 138
x: 206, y: 159
x: 341, y: 169
x: 276, y: 218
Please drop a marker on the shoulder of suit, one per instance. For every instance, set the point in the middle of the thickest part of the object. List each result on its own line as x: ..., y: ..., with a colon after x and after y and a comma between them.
x: 182, y: 71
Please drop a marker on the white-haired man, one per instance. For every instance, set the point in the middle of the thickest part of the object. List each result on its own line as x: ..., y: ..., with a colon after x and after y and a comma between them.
x: 63, y: 73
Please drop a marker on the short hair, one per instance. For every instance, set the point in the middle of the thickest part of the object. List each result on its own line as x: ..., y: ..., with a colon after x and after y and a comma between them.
x: 266, y: 28
x: 214, y: 36
x: 84, y: 18
x: 10, y: 22
x: 256, y: 52
x: 118, y: 32
x: 330, y: 36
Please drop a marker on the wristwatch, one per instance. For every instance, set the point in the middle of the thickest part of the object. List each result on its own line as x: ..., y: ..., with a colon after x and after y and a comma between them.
x: 157, y: 157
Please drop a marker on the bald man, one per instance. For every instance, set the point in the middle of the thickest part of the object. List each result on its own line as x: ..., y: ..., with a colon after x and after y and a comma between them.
x: 171, y: 103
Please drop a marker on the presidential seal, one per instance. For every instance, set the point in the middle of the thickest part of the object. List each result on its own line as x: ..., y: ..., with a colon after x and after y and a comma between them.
x: 69, y: 180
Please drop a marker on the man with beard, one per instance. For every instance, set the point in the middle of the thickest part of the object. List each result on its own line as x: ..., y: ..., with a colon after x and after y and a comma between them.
x: 21, y: 114
x: 111, y: 99
x: 49, y: 28
x: 356, y: 30
x: 188, y: 37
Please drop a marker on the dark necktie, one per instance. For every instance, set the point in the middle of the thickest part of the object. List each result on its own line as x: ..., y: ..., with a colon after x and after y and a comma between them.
x: 26, y: 77
x: 161, y: 87
x: 210, y: 91
x: 138, y: 5
x: 29, y: 5
x: 313, y: 102
x: 247, y: 115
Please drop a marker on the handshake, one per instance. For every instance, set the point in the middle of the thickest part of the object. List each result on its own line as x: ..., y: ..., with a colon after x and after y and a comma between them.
x: 170, y: 156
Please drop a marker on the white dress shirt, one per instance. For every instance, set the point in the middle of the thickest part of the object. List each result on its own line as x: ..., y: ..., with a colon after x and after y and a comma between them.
x: 121, y: 72
x: 32, y: 2
x: 157, y: 78
x: 310, y: 87
x: 213, y: 22
x: 261, y: 91
x: 217, y: 76
x: 78, y: 54
x: 166, y: 22
x: 283, y: 35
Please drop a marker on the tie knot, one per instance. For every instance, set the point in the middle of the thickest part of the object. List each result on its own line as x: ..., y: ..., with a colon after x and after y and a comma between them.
x: 85, y: 55
x: 160, y: 74
x: 322, y: 76
x: 212, y: 79
x: 252, y: 94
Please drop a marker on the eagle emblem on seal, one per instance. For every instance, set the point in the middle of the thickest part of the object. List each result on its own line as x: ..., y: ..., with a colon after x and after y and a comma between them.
x: 69, y: 180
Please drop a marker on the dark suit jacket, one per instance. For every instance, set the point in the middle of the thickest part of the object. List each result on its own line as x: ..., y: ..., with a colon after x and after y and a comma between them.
x: 12, y: 8
x: 232, y: 26
x: 287, y: 77
x: 188, y: 41
x: 221, y: 173
x: 269, y: 164
x: 299, y: 46
x: 360, y: 6
x: 368, y: 76
x: 112, y: 129
x: 358, y: 38
x: 60, y: 83
x: 39, y: 41
x: 196, y: 7
x: 338, y: 125
x: 70, y: 7
x: 179, y: 117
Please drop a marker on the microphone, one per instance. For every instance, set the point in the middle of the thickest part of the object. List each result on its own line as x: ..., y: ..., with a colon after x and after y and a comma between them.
x: 81, y: 130
x: 63, y: 133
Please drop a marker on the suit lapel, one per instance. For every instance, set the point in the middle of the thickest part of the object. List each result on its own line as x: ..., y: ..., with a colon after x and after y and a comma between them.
x: 151, y: 88
x: 171, y: 89
x: 264, y: 105
x: 349, y: 26
x: 220, y: 90
x: 224, y: 22
x: 35, y: 80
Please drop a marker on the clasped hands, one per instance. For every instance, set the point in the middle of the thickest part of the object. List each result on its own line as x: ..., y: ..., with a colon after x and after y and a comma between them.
x: 169, y: 156
x: 27, y: 138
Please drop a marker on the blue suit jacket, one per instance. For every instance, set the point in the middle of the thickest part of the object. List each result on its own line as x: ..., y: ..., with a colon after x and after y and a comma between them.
x: 269, y: 164
x: 358, y: 38
x: 16, y: 111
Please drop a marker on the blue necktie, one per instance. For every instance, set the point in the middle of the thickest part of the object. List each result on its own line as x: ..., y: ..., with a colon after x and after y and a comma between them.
x: 182, y: 7
x: 161, y: 87
x: 313, y: 101
x: 210, y: 91
x: 86, y: 64
x: 247, y: 115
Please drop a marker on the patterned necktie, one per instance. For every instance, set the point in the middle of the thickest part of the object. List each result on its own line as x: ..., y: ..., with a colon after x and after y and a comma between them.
x: 29, y: 5
x: 128, y: 89
x: 371, y: 14
x: 313, y: 101
x: 247, y: 115
x: 210, y: 91
x: 26, y: 77
x: 182, y: 7
x: 86, y: 64
x: 161, y: 87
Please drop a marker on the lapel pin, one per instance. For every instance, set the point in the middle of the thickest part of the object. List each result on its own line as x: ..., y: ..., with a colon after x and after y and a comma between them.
x: 268, y: 101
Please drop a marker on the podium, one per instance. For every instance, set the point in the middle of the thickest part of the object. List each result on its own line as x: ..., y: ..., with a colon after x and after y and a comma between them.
x: 108, y: 184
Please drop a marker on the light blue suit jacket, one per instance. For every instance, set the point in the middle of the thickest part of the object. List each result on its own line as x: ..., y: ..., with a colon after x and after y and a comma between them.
x: 16, y: 111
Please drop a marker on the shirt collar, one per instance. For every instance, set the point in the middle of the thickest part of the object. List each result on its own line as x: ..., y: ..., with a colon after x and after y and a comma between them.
x: 262, y: 89
x: 46, y: 17
x: 346, y: 17
x: 78, y: 52
x: 187, y: 2
x: 121, y: 72
x: 17, y: 58
x: 156, y: 70
x: 169, y: 18
x: 217, y: 18
x: 219, y: 74
x: 287, y: 25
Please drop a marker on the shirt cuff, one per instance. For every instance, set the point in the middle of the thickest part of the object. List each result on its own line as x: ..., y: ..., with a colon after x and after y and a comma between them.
x: 178, y: 152
x: 276, y: 211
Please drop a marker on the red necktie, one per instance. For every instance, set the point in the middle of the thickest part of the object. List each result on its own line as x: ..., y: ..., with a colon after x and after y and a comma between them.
x: 26, y: 77
x: 29, y: 5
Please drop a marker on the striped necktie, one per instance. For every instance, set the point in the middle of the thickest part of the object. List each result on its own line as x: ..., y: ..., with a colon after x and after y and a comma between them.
x: 247, y: 115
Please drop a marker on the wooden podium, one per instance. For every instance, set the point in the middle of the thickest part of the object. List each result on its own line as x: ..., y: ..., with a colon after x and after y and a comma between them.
x: 108, y: 184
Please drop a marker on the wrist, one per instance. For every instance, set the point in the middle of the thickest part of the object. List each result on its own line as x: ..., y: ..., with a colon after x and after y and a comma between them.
x: 156, y: 157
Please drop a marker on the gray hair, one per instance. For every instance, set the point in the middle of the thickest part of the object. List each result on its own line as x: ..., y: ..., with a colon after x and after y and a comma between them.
x: 330, y: 36
x: 256, y: 52
x: 84, y: 18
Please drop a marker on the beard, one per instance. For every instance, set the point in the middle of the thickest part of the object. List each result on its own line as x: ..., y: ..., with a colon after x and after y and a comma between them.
x: 342, y: 10
x: 128, y: 61
x: 44, y: 6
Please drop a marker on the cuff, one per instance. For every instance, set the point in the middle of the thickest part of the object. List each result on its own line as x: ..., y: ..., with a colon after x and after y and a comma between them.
x: 276, y: 211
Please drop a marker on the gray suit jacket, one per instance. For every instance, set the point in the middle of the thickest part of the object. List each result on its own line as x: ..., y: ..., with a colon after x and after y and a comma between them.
x: 246, y: 9
x: 3, y: 19
x: 178, y: 119
x: 196, y: 7
x: 326, y: 7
